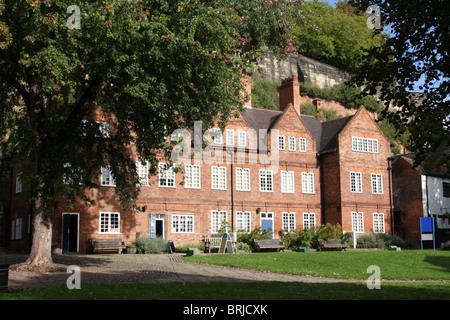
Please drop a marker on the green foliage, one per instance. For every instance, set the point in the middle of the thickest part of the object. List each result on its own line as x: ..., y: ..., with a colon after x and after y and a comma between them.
x: 255, y: 234
x: 185, y: 247
x: 351, y: 96
x: 330, y: 114
x: 265, y: 93
x: 381, y: 241
x: 310, y: 237
x: 315, y: 92
x: 411, y: 71
x: 334, y: 36
x: 151, y: 66
x: 150, y: 245
x: 397, y: 137
x: 308, y: 108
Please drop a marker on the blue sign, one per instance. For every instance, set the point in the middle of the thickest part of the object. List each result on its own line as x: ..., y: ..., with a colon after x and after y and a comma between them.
x: 427, y: 231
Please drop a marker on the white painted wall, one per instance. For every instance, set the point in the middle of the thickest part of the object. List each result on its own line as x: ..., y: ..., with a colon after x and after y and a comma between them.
x: 433, y: 200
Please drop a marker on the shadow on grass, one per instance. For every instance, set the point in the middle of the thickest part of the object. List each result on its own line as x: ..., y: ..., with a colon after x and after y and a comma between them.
x: 237, y: 291
x: 442, y: 263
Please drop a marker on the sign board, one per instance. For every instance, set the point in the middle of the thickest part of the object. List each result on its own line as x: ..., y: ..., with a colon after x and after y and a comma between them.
x: 152, y: 225
x: 427, y: 231
x: 223, y: 243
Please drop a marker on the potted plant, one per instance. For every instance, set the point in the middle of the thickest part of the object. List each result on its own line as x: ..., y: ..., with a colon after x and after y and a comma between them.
x: 131, y: 248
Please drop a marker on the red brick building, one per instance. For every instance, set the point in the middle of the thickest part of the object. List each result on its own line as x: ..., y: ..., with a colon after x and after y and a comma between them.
x: 420, y: 193
x: 269, y: 169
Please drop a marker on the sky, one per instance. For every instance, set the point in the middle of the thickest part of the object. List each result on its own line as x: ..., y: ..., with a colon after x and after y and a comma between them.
x: 387, y: 30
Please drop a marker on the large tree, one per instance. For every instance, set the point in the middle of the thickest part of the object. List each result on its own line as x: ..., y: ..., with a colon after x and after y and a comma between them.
x: 337, y: 36
x: 414, y: 59
x: 152, y: 66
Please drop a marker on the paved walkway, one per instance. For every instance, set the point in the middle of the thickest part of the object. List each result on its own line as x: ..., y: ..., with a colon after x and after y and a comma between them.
x: 145, y: 268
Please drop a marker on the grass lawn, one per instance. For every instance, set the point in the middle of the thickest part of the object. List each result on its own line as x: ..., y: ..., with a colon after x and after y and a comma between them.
x: 237, y: 291
x: 394, y: 265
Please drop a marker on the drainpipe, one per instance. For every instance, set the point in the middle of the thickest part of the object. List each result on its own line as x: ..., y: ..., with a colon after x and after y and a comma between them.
x: 428, y: 205
x: 322, y: 190
x: 390, y: 194
x: 232, y: 197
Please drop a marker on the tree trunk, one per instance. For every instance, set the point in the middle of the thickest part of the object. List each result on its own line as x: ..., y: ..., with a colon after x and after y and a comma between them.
x: 40, y: 258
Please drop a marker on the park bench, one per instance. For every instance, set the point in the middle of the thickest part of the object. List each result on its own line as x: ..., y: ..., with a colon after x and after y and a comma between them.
x: 332, y: 244
x: 268, y: 244
x: 216, y: 243
x: 211, y: 243
x: 100, y: 245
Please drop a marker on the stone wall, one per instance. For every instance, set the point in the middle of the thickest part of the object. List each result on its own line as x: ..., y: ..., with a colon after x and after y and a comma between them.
x: 307, y: 70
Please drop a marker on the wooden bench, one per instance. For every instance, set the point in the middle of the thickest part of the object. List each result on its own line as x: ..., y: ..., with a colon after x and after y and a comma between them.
x: 332, y: 244
x: 268, y: 244
x: 211, y: 243
x: 100, y: 245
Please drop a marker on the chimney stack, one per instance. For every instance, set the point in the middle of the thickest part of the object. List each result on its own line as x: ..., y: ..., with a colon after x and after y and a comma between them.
x: 289, y: 92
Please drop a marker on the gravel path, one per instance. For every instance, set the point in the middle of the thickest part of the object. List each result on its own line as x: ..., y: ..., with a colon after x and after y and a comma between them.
x: 143, y: 268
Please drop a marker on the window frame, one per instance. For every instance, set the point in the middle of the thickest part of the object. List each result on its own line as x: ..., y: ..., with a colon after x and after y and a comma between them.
x: 378, y: 187
x: 217, y: 185
x: 186, y: 227
x: 309, y: 186
x: 240, y: 176
x: 19, y: 184
x: 217, y: 136
x: 264, y: 176
x: 166, y: 174
x: 190, y: 185
x: 365, y: 145
x: 355, y: 180
x: 143, y: 176
x: 244, y: 220
x: 229, y: 137
x: 378, y: 222
x: 109, y: 228
x: 216, y: 223
x: 357, y: 218
x: 302, y: 144
x: 307, y: 220
x: 287, y: 181
x: 281, y: 142
x: 446, y: 189
x: 242, y: 135
x: 288, y: 222
x: 292, y: 143
x: 112, y: 180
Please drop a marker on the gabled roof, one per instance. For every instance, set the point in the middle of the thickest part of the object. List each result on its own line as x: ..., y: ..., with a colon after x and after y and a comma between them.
x: 429, y: 169
x: 261, y: 118
x: 330, y: 131
x: 325, y: 133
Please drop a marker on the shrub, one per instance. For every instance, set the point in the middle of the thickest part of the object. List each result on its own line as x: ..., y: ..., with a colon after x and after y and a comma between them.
x: 243, y: 246
x: 257, y: 233
x: 381, y: 241
x: 308, y: 108
x: 310, y: 237
x: 366, y: 241
x: 330, y: 231
x: 150, y: 245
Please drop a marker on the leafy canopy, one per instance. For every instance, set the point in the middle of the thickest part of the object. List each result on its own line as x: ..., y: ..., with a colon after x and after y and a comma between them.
x: 415, y: 58
x: 146, y: 67
x: 336, y: 36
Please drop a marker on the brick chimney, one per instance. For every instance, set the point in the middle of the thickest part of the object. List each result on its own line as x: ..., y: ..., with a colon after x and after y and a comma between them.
x: 289, y: 92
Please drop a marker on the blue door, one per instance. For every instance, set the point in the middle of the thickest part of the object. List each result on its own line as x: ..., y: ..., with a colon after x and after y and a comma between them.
x: 267, y: 222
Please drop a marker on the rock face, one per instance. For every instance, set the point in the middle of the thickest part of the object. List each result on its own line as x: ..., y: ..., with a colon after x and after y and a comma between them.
x: 307, y: 70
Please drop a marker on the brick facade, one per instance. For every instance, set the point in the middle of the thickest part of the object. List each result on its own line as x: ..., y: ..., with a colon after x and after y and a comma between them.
x: 320, y: 188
